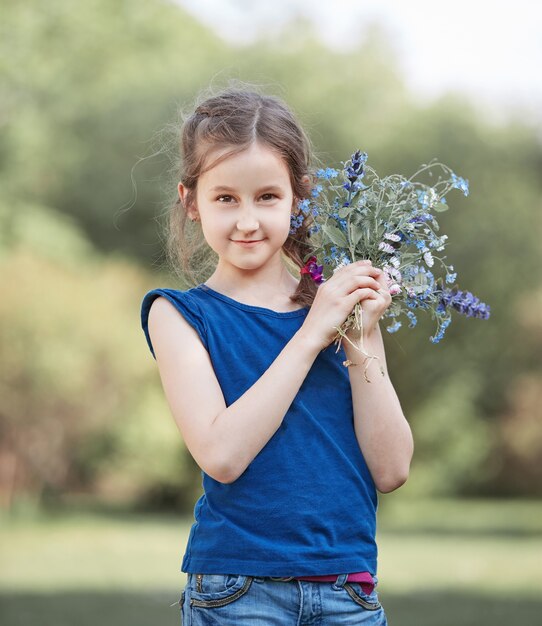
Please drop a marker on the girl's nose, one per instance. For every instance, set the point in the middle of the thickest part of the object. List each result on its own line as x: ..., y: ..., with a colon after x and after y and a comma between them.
x: 247, y: 220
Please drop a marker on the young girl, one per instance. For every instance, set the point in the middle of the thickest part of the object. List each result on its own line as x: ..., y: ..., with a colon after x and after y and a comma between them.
x: 293, y: 445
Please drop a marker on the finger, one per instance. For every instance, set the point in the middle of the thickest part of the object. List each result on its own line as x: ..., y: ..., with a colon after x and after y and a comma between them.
x: 358, y: 281
x: 362, y: 263
x: 349, y: 283
x: 358, y: 270
x: 363, y: 293
x: 368, y: 270
x: 381, y: 279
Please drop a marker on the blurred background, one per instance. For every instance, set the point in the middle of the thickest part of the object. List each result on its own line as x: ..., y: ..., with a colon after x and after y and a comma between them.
x: 96, y: 486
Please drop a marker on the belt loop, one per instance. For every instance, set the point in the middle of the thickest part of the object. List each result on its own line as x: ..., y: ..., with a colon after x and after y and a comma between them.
x: 341, y: 579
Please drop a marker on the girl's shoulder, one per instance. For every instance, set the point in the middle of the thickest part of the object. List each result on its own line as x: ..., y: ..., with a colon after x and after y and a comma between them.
x: 181, y: 299
x: 185, y: 302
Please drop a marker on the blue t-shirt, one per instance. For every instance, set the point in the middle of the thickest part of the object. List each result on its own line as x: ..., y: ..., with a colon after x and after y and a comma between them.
x: 306, y: 505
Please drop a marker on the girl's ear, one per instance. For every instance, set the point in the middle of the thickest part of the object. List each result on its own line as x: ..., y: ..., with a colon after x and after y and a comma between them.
x: 190, y: 210
x: 306, y: 183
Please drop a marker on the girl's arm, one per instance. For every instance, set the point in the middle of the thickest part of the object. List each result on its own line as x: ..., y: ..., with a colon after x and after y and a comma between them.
x: 382, y: 430
x: 223, y: 440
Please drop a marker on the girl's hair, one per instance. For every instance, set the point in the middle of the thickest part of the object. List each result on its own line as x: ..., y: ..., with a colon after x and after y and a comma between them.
x: 234, y: 118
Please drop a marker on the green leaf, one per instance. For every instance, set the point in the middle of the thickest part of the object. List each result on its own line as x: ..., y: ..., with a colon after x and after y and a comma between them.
x: 357, y: 233
x: 335, y: 235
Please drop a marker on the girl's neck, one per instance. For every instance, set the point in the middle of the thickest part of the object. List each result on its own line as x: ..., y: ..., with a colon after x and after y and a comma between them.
x: 273, y: 294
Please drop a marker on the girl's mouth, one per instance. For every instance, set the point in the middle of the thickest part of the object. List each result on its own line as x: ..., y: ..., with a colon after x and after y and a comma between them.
x: 247, y: 244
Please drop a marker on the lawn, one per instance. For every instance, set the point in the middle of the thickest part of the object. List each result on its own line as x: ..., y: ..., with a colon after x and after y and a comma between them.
x: 441, y: 563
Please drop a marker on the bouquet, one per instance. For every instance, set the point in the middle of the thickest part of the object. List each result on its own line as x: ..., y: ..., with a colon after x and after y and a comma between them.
x: 392, y: 222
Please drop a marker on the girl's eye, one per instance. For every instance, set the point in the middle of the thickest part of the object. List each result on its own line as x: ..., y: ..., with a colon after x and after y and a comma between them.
x: 265, y: 196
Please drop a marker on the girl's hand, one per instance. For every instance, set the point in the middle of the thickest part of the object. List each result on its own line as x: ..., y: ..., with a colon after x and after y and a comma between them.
x: 373, y: 307
x: 337, y: 296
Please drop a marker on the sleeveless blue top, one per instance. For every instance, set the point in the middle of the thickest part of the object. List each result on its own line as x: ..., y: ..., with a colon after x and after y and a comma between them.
x: 306, y: 505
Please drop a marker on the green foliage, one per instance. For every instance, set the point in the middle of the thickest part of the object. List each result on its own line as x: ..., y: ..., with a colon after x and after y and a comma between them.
x: 82, y: 408
x: 453, y: 442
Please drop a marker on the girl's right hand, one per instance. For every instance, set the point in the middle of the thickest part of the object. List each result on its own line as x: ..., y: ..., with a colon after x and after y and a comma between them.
x: 336, y: 298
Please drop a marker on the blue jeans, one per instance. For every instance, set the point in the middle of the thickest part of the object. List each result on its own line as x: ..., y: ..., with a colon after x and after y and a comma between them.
x: 236, y: 600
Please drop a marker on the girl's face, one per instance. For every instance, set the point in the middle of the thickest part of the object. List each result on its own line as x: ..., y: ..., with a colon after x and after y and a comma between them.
x: 246, y: 198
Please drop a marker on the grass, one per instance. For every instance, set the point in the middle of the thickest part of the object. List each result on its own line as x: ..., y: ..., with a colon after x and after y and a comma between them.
x: 441, y: 562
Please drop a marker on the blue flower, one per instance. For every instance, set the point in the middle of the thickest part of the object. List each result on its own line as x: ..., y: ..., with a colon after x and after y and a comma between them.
x: 460, y: 183
x: 423, y: 198
x: 326, y: 174
x: 450, y: 278
x: 442, y: 329
x: 316, y: 191
x: 413, y: 319
x: 336, y: 257
x: 295, y: 222
x: 357, y: 186
x: 393, y: 328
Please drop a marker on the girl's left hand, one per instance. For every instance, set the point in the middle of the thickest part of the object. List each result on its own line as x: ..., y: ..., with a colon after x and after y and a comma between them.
x: 374, y: 306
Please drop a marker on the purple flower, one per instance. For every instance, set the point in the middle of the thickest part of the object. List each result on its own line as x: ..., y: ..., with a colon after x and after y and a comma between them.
x: 313, y: 269
x: 464, y: 302
x: 355, y: 169
x: 420, y: 218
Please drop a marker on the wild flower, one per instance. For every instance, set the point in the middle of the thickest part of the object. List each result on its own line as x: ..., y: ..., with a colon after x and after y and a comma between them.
x: 311, y: 267
x: 391, y: 221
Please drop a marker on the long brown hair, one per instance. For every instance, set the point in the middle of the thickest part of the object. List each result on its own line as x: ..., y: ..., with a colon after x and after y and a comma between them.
x: 234, y: 118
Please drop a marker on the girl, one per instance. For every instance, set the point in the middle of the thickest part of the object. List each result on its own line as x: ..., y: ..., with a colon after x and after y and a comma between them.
x: 293, y: 446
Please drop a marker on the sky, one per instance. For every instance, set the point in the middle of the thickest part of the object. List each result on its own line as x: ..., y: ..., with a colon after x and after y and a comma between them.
x: 489, y: 50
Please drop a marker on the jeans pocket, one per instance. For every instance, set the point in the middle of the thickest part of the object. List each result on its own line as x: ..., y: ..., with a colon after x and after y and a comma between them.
x: 368, y: 601
x: 181, y: 607
x: 216, y: 590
